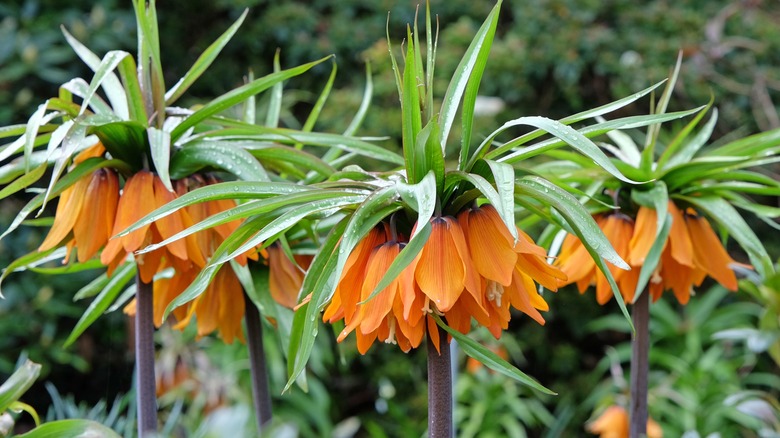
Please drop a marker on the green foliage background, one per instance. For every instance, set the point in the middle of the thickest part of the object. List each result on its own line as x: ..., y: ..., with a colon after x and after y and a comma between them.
x: 550, y: 57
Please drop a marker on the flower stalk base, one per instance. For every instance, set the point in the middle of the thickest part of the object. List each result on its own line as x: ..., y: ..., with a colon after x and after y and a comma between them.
x: 439, y: 388
x: 260, y: 390
x: 640, y: 348
x: 144, y: 357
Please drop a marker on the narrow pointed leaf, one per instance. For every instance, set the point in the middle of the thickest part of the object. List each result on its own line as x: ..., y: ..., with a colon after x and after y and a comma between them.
x: 160, y: 147
x: 464, y: 70
x: 654, y: 255
x: 24, y: 181
x: 203, y: 62
x: 491, y: 359
x: 72, y: 429
x: 103, y: 300
x: 238, y: 95
x: 225, y: 190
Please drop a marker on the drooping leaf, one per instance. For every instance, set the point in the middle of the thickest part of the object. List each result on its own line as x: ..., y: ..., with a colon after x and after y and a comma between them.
x: 583, y: 226
x: 103, y: 300
x: 19, y: 382
x: 160, y: 148
x: 491, y: 359
x: 220, y: 155
x: 71, y: 429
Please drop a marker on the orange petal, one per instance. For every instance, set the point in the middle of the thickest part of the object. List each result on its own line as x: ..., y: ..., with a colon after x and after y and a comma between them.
x: 491, y: 247
x: 643, y: 236
x: 96, y: 150
x: 679, y: 238
x: 440, y: 272
x: 137, y: 201
x: 376, y: 309
x: 433, y: 333
x: 93, y: 226
x: 709, y: 254
x: 68, y: 209
x: 285, y: 278
x: 169, y: 225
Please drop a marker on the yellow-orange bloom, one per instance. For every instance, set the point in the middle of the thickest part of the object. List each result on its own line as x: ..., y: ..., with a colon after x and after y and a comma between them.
x: 86, y: 208
x: 613, y: 423
x: 691, y: 252
x: 470, y: 267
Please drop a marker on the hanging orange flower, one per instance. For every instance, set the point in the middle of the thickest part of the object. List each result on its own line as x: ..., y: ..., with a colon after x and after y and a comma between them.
x: 470, y: 267
x: 613, y: 423
x: 691, y: 252
x: 285, y: 276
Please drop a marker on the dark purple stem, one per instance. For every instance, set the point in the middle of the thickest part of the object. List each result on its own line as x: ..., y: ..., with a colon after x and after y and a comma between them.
x: 439, y: 388
x: 144, y: 358
x: 260, y: 390
x: 640, y: 349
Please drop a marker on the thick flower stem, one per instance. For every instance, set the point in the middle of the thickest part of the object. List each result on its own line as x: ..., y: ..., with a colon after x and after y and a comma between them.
x: 260, y: 391
x: 640, y: 348
x: 144, y: 358
x: 439, y: 388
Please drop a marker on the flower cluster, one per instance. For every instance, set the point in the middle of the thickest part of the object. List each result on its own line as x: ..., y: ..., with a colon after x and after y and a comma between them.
x: 470, y: 267
x: 692, y: 252
x: 93, y: 210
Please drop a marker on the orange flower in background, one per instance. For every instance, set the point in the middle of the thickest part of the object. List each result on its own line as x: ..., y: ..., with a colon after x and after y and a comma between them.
x: 470, y: 267
x: 613, y: 423
x: 691, y: 252
x: 580, y: 268
x: 285, y: 277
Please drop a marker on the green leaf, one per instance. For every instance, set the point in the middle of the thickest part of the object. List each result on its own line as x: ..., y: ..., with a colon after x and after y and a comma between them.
x: 591, y: 131
x: 289, y: 219
x: 18, y: 406
x: 421, y: 197
x: 583, y: 225
x: 252, y: 208
x: 126, y: 141
x: 71, y: 429
x: 24, y: 181
x: 320, y: 283
x: 411, y: 119
x: 31, y: 259
x: 490, y: 359
x: 298, y: 158
x: 472, y: 87
x: 101, y: 303
x: 83, y: 169
x: 724, y: 214
x: 290, y: 136
x: 680, y: 152
x: 221, y: 155
x: 275, y: 102
x: 160, y: 148
x: 73, y: 141
x: 111, y: 84
x: 33, y: 124
x: 70, y: 268
x: 504, y: 176
x: 19, y: 382
x: 226, y: 190
x: 569, y: 136
x: 203, y: 62
x: 754, y: 145
x: 135, y: 99
x: 648, y: 154
x: 238, y: 95
x: 308, y: 125
x: 105, y: 70
x: 464, y: 71
x: 92, y: 288
x: 656, y: 198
